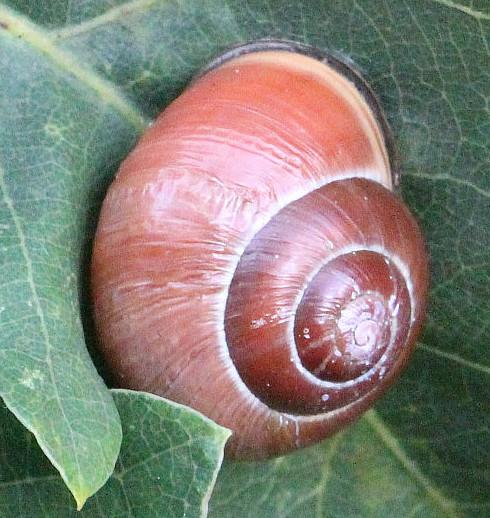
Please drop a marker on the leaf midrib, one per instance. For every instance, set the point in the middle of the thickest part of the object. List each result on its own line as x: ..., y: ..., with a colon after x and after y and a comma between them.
x: 15, y: 25
x: 46, y: 338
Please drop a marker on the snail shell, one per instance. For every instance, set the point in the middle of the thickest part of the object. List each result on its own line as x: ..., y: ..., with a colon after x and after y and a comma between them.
x: 251, y: 260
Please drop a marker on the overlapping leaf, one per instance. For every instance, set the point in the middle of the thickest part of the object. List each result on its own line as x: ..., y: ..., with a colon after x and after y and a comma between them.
x: 169, y: 460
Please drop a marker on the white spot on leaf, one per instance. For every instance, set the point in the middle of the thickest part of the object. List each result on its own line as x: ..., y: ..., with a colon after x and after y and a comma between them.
x: 31, y: 378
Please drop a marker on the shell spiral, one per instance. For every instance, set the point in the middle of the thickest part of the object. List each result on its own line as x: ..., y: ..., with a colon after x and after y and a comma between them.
x: 251, y: 260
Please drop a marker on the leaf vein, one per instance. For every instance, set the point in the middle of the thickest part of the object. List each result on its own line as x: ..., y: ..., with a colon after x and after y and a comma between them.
x: 18, y: 26
x: 325, y: 475
x: 44, y: 331
x: 464, y: 9
x: 29, y: 480
x: 390, y: 441
x: 448, y: 178
x: 454, y: 357
x: 111, y: 15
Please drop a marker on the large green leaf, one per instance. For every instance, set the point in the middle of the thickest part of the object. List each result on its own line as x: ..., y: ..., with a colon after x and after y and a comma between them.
x: 169, y: 460
x: 77, y: 82
x: 56, y: 153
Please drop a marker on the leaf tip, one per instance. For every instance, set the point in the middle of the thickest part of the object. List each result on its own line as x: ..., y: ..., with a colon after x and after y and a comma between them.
x: 81, y: 497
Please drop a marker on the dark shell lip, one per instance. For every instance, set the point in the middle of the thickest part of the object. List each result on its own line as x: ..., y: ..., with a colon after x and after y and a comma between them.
x: 341, y: 66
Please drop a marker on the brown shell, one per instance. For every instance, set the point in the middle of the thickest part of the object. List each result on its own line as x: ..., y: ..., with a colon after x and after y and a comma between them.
x: 256, y: 207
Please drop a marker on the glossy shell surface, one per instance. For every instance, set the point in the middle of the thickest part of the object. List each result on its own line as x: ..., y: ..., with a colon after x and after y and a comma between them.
x: 251, y: 260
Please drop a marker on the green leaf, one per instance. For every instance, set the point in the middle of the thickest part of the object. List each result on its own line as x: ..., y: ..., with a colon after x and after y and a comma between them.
x: 53, y: 160
x: 78, y: 80
x: 169, y: 460
x: 360, y: 472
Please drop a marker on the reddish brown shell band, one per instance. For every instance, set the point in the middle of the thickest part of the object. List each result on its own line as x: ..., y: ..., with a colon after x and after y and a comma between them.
x: 355, y: 224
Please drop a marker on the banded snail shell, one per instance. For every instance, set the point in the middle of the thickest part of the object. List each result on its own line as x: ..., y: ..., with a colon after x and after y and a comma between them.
x: 251, y: 260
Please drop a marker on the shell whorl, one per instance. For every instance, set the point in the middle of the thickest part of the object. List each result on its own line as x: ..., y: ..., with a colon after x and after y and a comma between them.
x: 237, y: 223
